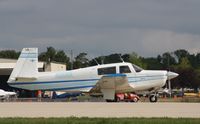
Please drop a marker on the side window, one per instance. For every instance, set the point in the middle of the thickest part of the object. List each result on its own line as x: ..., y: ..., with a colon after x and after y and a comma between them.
x: 109, y: 70
x: 124, y: 69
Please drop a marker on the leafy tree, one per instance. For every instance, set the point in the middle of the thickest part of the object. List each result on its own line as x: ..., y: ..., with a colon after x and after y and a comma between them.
x: 152, y: 63
x: 198, y: 57
x: 195, y: 60
x: 196, y: 84
x: 184, y: 63
x: 12, y: 54
x: 50, y: 54
x: 167, y: 60
x: 42, y: 57
x: 81, y: 60
x: 126, y: 57
x: 181, y: 53
x: 188, y: 76
x: 97, y: 60
x: 135, y: 59
x: 61, y: 57
x: 112, y: 58
x: 192, y: 59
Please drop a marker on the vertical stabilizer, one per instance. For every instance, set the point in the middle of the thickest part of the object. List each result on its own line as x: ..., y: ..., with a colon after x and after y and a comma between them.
x: 26, y: 66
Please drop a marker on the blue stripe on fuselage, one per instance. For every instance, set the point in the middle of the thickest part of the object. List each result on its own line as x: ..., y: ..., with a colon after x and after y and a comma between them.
x: 130, y: 79
x: 50, y: 82
x: 70, y: 88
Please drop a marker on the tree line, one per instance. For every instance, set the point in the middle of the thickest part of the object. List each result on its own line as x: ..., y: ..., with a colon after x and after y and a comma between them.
x: 180, y: 61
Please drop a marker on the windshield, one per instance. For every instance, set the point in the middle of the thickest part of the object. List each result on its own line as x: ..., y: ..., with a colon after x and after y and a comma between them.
x: 137, y: 69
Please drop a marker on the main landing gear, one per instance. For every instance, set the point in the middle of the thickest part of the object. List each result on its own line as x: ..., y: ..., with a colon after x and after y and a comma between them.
x: 153, y: 98
x: 125, y: 97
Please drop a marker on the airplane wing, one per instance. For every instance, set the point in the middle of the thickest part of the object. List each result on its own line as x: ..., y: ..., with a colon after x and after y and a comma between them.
x: 111, y: 84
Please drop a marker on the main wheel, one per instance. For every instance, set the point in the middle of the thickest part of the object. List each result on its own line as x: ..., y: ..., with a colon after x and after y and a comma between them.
x: 109, y: 100
x: 117, y: 99
x: 134, y: 100
x: 153, y: 98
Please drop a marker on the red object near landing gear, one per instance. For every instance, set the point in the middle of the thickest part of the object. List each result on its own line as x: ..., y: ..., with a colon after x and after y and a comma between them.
x: 127, y: 97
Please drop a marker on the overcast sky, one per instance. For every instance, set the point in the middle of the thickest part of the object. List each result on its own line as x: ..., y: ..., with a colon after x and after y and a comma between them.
x: 101, y: 27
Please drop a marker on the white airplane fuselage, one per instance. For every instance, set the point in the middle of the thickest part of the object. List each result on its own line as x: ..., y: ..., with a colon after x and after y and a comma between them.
x: 86, y: 78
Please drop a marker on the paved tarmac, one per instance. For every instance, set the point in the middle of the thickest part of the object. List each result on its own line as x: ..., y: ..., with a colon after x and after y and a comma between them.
x: 98, y: 109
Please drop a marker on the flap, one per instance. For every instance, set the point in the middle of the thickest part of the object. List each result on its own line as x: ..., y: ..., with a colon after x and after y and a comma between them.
x: 118, y: 82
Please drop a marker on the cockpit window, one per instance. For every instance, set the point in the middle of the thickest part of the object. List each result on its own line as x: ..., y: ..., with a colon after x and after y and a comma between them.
x: 109, y: 70
x: 137, y: 69
x: 124, y: 69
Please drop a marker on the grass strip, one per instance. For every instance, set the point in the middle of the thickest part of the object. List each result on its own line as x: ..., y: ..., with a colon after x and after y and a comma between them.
x: 85, y: 120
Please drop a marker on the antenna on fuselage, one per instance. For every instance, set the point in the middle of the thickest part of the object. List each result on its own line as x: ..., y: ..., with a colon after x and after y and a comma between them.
x: 102, y: 59
x: 121, y: 58
x: 96, y: 61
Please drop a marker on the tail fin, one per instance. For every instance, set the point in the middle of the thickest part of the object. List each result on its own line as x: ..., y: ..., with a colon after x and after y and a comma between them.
x: 26, y: 66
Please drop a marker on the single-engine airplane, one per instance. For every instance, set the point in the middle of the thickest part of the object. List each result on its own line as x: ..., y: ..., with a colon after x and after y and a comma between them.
x: 108, y: 79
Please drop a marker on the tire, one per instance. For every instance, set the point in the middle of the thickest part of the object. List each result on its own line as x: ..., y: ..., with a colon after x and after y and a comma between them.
x: 109, y: 100
x: 135, y: 99
x: 117, y: 99
x: 153, y: 98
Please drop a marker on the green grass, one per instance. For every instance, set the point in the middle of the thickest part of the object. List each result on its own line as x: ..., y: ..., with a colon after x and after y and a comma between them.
x: 74, y: 120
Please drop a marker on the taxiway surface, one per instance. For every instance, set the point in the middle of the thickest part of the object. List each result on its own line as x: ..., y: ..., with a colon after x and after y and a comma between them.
x: 96, y: 109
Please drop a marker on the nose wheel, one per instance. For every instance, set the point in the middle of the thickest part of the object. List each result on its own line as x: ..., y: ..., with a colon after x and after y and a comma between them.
x: 153, y: 98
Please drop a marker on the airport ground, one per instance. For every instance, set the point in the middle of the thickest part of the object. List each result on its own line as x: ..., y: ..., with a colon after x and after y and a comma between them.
x: 175, y: 110
x: 86, y: 98
x: 100, y: 109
